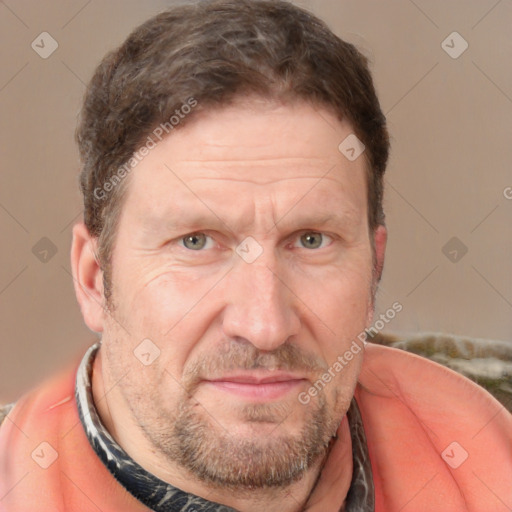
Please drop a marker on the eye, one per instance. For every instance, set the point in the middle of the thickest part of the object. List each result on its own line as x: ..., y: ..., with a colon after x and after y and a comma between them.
x: 197, y: 241
x: 314, y: 240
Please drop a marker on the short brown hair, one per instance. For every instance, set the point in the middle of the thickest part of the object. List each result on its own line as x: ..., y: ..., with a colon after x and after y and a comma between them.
x: 216, y: 51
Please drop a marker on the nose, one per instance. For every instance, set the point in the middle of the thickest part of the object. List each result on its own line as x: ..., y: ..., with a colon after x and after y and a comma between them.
x: 261, y: 308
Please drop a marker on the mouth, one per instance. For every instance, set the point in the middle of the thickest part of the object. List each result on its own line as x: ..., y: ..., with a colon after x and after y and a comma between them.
x: 258, y: 386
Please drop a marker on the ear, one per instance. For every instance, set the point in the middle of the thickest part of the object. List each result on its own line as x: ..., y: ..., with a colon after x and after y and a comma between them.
x: 87, y: 277
x: 380, y: 238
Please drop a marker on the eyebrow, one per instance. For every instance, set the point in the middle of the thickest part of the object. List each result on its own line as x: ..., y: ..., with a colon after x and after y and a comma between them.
x: 319, y: 220
x: 185, y: 223
x: 182, y: 221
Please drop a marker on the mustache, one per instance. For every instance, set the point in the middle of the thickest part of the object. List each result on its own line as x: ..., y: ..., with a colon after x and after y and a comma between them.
x: 242, y: 355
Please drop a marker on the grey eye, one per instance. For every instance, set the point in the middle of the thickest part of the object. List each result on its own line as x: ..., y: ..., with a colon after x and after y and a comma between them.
x: 195, y: 242
x: 311, y: 240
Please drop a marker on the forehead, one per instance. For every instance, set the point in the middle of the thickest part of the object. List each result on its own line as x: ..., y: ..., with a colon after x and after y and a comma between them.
x: 252, y: 147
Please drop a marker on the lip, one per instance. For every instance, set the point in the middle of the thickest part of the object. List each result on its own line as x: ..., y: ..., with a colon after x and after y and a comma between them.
x: 257, y: 386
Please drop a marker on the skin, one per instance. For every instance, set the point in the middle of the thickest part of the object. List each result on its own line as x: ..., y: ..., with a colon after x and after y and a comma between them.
x: 254, y: 169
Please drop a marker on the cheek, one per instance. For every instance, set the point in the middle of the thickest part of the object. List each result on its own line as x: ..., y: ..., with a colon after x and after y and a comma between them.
x: 339, y: 288
x: 172, y: 311
x: 158, y: 295
x: 339, y: 307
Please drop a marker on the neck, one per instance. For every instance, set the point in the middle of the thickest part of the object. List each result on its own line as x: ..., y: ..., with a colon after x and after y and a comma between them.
x: 316, y: 493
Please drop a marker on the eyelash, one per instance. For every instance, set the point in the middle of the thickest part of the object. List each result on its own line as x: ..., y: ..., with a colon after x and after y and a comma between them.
x: 296, y: 238
x: 324, y: 237
x: 182, y: 239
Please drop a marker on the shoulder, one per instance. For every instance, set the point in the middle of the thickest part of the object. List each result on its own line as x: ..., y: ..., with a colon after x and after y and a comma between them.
x: 45, y: 396
x: 39, y: 409
x: 431, y: 392
x: 4, y: 411
x: 432, y: 430
x: 394, y: 372
x: 31, y: 439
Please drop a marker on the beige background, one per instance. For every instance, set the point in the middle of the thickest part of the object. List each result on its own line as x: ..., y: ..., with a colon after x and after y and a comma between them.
x: 450, y: 121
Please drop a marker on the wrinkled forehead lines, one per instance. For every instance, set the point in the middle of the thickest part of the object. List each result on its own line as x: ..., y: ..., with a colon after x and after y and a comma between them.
x: 254, y: 171
x: 288, y: 145
x: 243, y: 132
x: 260, y: 177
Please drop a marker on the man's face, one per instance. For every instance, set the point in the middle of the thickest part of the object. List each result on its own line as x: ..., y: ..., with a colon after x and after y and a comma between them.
x: 243, y: 253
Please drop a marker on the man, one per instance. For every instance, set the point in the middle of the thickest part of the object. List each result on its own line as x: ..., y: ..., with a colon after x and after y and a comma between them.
x: 233, y: 239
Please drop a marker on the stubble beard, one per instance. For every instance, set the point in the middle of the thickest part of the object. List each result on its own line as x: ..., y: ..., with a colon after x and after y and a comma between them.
x: 197, y: 443
x: 191, y: 438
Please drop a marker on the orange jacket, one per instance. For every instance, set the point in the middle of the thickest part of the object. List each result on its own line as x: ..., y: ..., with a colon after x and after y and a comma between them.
x: 437, y: 442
